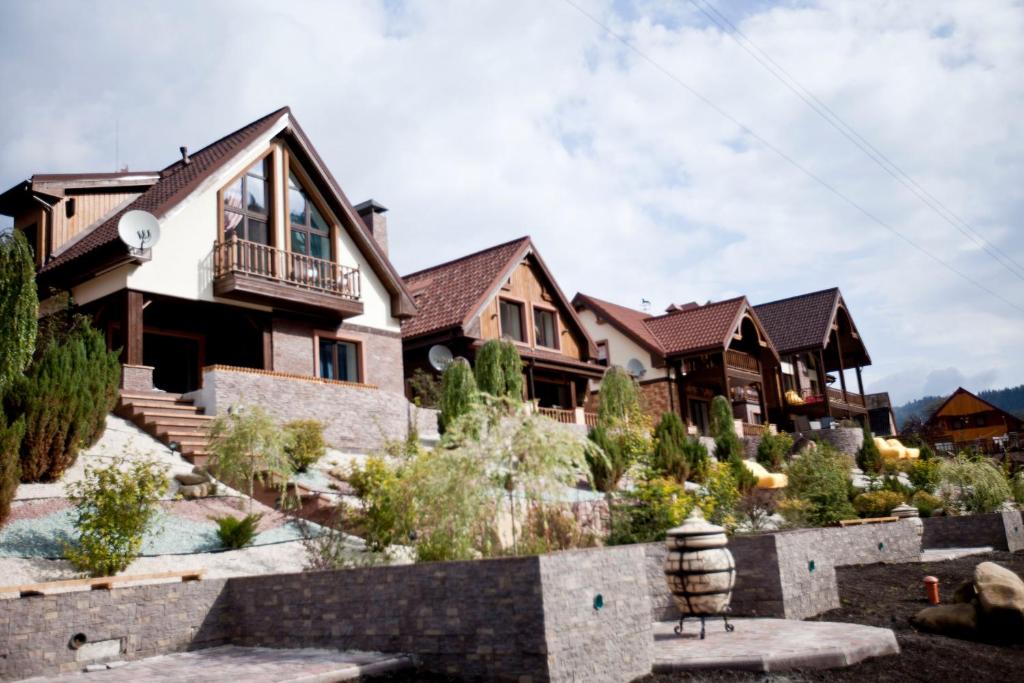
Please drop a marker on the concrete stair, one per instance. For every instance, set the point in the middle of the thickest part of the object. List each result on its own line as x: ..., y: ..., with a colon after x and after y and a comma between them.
x: 169, y: 418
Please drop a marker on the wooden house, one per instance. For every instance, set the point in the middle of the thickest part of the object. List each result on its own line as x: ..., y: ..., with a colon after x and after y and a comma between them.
x: 965, y: 420
x: 685, y: 357
x: 504, y: 292
x: 818, y: 342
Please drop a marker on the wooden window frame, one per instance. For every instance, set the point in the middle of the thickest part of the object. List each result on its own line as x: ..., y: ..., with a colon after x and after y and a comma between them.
x: 327, y: 335
x: 598, y: 343
x: 523, y: 305
x: 557, y: 326
x: 271, y: 182
x: 313, y: 196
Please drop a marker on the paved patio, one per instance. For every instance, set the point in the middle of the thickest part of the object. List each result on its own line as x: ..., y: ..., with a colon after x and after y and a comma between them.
x: 768, y: 645
x: 249, y: 664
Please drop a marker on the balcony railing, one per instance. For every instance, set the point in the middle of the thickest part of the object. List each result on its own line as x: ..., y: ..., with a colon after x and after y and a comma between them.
x: 265, y: 261
x: 750, y: 429
x: 746, y: 394
x: 590, y: 419
x: 559, y: 415
x: 852, y: 398
x: 742, y: 361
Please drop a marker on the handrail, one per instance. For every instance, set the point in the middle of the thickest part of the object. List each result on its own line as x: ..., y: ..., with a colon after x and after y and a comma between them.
x: 558, y: 414
x: 262, y: 260
x: 742, y: 361
x: 590, y: 419
x: 750, y: 429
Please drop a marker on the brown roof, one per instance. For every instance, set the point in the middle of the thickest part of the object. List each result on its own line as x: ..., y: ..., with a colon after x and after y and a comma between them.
x: 703, y: 328
x: 176, y: 181
x: 448, y: 294
x: 800, y: 322
x: 682, y: 330
x: 958, y: 396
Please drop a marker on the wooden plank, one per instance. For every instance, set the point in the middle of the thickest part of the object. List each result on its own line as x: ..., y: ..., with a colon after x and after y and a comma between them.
x: 867, y: 520
x: 99, y: 583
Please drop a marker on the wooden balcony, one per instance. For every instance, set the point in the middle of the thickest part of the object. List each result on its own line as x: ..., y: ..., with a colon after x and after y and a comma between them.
x: 262, y: 274
x: 569, y: 416
x: 744, y: 362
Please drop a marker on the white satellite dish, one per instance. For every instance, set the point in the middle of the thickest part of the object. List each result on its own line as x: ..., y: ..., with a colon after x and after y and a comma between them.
x: 139, y: 230
x: 636, y: 368
x: 440, y: 357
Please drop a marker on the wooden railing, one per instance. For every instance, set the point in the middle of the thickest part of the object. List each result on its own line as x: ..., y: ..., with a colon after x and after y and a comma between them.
x: 559, y: 415
x: 742, y: 361
x: 265, y: 261
x: 852, y: 398
x: 590, y: 419
x: 752, y: 429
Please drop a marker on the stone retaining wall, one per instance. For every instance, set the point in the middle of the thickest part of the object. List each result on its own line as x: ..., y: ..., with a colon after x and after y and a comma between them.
x: 998, y: 529
x: 845, y: 439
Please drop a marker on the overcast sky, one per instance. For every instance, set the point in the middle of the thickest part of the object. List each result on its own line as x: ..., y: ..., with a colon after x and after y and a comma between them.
x: 477, y: 122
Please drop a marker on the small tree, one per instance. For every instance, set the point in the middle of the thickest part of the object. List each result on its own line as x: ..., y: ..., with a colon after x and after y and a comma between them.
x: 458, y: 392
x: 973, y: 486
x: 698, y: 460
x: 499, y: 369
x: 869, y: 458
x: 723, y: 430
x: 305, y: 444
x: 426, y: 388
x: 773, y: 449
x: 10, y: 467
x: 622, y: 431
x: 114, y: 507
x: 247, y: 446
x: 619, y: 398
x: 669, y: 443
x: 819, y: 484
x: 19, y: 307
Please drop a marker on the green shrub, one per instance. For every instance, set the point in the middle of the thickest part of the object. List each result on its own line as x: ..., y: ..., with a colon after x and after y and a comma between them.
x: 820, y: 478
x: 499, y: 369
x: 926, y: 503
x: 305, y: 443
x: 622, y: 431
x: 773, y: 449
x: 669, y: 456
x: 237, y: 532
x: 869, y: 458
x: 247, y: 446
x: 724, y: 493
x: 927, y: 453
x: 659, y: 505
x: 973, y: 486
x: 64, y: 398
x: 385, y: 518
x: 723, y: 430
x: 1016, y: 487
x: 619, y: 397
x: 19, y: 307
x: 458, y: 392
x: 698, y: 460
x: 114, y: 507
x: 925, y: 475
x: 877, y: 503
x: 10, y: 466
x: 426, y: 388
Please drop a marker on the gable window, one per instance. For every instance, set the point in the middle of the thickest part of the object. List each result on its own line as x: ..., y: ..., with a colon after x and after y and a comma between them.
x: 246, y: 205
x: 511, y: 320
x: 310, y: 233
x: 339, y: 360
x: 602, y: 352
x: 545, y: 328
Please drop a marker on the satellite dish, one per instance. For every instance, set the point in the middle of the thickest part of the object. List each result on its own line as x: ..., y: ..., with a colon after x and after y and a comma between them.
x: 635, y: 368
x: 440, y: 357
x: 139, y: 230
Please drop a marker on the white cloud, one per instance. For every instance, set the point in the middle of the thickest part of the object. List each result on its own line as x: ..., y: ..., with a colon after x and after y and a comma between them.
x: 478, y: 122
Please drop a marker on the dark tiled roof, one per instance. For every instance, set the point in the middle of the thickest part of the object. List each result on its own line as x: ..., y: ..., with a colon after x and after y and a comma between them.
x: 447, y: 294
x: 176, y: 181
x: 799, y: 322
x: 697, y: 329
x: 630, y: 321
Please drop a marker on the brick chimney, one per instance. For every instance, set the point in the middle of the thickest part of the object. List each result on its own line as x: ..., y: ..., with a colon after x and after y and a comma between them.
x: 372, y: 214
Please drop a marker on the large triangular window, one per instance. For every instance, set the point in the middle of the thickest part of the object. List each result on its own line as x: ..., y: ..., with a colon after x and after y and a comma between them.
x: 308, y: 232
x: 246, y: 205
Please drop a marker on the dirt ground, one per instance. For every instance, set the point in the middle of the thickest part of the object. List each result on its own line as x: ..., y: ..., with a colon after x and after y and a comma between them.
x: 888, y: 596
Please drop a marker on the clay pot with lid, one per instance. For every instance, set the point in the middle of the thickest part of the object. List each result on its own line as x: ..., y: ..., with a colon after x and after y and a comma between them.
x: 699, y: 568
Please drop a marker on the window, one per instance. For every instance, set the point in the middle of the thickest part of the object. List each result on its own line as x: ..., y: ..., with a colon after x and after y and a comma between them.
x: 246, y: 210
x: 545, y: 328
x: 511, y: 320
x: 602, y: 352
x: 339, y: 360
x: 310, y: 233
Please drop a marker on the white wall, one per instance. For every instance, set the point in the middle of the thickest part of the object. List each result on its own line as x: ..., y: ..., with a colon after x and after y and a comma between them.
x: 620, y: 347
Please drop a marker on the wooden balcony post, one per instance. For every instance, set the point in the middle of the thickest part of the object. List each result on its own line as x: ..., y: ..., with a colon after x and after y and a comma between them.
x: 131, y: 327
x: 842, y: 370
x: 821, y: 382
x: 860, y: 385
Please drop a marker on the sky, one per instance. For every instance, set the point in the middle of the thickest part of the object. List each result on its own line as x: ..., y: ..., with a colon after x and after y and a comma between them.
x: 477, y: 122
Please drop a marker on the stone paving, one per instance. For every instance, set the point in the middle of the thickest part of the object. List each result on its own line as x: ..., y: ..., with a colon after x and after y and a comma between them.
x: 249, y: 664
x: 768, y: 645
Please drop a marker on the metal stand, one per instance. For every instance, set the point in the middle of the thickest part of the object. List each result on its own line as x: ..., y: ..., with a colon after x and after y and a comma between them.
x: 729, y: 628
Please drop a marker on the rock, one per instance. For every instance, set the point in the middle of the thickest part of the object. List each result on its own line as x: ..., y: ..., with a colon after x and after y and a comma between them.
x: 957, y: 620
x: 1000, y: 599
x: 203, y: 471
x: 965, y: 593
x: 195, y: 491
x: 186, y: 479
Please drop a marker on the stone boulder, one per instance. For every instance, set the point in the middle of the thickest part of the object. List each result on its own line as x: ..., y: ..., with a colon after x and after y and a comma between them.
x: 1000, y: 600
x: 193, y: 491
x: 191, y: 478
x: 957, y: 620
x: 965, y: 593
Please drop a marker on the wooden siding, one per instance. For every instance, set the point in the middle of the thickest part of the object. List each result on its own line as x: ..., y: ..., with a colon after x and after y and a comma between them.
x: 89, y: 208
x: 526, y: 288
x: 963, y: 404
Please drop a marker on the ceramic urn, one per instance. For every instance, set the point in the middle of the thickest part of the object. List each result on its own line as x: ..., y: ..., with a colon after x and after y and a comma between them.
x: 699, y: 568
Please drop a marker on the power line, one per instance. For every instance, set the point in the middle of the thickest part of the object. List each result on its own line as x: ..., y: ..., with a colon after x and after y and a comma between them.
x: 793, y: 162
x: 876, y: 155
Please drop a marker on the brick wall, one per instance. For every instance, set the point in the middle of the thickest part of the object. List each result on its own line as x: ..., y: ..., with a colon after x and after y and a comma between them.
x: 967, y: 531
x: 355, y: 418
x: 150, y: 620
x: 655, y: 398
x: 137, y: 377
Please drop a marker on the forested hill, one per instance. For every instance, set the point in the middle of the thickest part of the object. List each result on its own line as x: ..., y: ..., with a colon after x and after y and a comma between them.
x: 1010, y: 399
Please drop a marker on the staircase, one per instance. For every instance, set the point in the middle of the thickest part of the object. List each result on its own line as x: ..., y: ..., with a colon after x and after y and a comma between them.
x: 170, y: 419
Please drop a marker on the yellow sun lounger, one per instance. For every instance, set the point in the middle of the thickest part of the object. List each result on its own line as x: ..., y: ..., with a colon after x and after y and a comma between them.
x: 766, y: 479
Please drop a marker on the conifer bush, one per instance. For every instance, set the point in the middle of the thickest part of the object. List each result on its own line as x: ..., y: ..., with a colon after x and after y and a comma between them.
x: 869, y: 458
x: 773, y: 449
x: 819, y: 484
x: 64, y: 398
x: 499, y: 369
x: 676, y: 453
x: 728, y: 446
x: 458, y: 392
x: 10, y: 466
x: 19, y: 307
x: 622, y: 432
x: 305, y: 443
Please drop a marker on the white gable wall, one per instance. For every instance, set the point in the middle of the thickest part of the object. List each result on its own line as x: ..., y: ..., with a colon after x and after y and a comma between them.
x: 620, y: 347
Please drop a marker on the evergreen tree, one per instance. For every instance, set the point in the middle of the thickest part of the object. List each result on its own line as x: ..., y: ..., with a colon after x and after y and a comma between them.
x: 458, y: 392
x: 669, y: 448
x: 622, y: 432
x: 19, y: 307
x: 10, y: 466
x: 869, y: 458
x: 728, y: 446
x: 619, y: 397
x: 499, y: 369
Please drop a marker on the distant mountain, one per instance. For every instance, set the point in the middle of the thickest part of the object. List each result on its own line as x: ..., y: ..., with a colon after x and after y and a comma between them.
x: 1010, y: 399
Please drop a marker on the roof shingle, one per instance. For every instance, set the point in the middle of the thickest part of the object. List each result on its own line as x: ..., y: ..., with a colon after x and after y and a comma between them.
x: 799, y: 322
x: 697, y: 329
